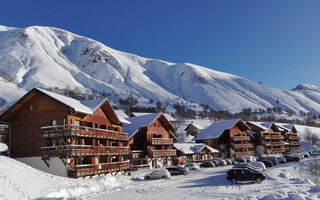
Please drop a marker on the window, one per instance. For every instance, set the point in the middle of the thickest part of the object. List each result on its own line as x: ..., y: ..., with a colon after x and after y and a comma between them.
x: 30, y: 108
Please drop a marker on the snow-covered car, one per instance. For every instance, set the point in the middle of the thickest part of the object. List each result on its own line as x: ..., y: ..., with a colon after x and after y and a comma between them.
x: 158, y: 174
x: 192, y: 166
x: 229, y: 161
x: 258, y: 164
x: 222, y: 162
x: 207, y: 164
x: 240, y: 160
x: 247, y: 166
x: 306, y: 154
x: 315, y: 152
x: 249, y: 158
x: 281, y: 159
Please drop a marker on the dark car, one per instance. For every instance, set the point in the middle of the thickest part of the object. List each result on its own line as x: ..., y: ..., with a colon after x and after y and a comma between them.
x: 229, y: 162
x: 176, y: 170
x: 273, y: 159
x: 292, y: 158
x: 207, y: 164
x: 267, y: 162
x: 235, y: 175
x: 240, y: 160
x: 216, y: 163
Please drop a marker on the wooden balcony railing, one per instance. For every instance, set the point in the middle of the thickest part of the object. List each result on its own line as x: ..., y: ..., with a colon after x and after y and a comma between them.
x: 275, y: 151
x: 240, y: 138
x: 294, y: 138
x: 80, y: 150
x: 162, y: 141
x: 273, y: 137
x: 277, y: 143
x: 242, y: 146
x: 295, y: 149
x: 92, y: 169
x: 244, y: 153
x: 71, y: 130
x: 162, y: 153
x: 294, y: 143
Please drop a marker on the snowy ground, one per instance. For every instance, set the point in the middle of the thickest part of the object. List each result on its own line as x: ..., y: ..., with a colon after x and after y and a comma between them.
x: 286, y: 181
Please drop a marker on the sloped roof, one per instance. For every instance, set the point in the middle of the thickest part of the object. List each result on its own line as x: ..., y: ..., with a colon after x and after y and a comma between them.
x: 216, y: 129
x: 169, y: 117
x: 282, y: 127
x: 192, y: 148
x: 198, y: 126
x: 122, y: 115
x: 288, y: 126
x: 86, y: 106
x: 263, y: 125
x: 140, y: 122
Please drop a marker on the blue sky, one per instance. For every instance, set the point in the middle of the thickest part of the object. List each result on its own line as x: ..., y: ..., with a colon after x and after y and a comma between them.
x: 276, y: 42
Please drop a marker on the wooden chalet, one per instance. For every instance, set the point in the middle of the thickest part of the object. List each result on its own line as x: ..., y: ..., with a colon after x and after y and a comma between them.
x: 194, y: 152
x: 151, y: 139
x: 267, y: 138
x: 73, y: 138
x: 291, y: 138
x: 193, y: 129
x: 231, y: 138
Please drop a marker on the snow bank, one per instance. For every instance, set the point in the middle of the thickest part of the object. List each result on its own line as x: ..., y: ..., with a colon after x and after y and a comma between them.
x: 3, y: 147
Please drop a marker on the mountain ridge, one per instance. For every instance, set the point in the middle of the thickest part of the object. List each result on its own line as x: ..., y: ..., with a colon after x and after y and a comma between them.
x: 50, y: 57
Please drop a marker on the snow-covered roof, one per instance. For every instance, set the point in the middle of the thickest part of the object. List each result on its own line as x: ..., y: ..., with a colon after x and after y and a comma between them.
x: 3, y: 147
x: 139, y: 122
x: 192, y: 148
x: 197, y: 126
x: 252, y: 132
x: 263, y: 125
x: 288, y: 126
x: 169, y: 117
x: 216, y: 129
x: 86, y: 106
x: 122, y: 115
x: 282, y: 127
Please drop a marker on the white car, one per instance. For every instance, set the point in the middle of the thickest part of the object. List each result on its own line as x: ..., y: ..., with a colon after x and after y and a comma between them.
x: 258, y: 164
x: 158, y: 174
x: 192, y: 166
x: 249, y: 158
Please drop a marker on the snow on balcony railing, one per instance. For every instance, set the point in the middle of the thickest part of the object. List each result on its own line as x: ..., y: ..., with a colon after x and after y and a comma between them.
x: 161, y: 141
x: 240, y: 138
x: 162, y: 153
x: 85, y: 149
x: 242, y: 146
x: 65, y: 130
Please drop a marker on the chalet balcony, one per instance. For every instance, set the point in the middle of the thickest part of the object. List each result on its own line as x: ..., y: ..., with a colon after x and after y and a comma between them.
x: 242, y: 146
x: 277, y: 143
x: 296, y: 149
x: 93, y: 169
x: 83, y: 131
x: 83, y: 150
x: 162, y: 141
x: 244, y: 153
x: 294, y: 138
x: 275, y: 151
x: 273, y: 137
x: 240, y: 138
x: 294, y: 143
x: 162, y: 153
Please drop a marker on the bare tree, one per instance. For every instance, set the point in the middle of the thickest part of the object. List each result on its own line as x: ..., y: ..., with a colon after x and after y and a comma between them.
x: 307, y: 135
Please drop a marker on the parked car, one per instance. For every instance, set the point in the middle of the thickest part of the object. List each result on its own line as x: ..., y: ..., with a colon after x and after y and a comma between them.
x: 177, y: 170
x: 216, y: 162
x: 292, y: 158
x: 240, y: 160
x: 248, y: 166
x: 273, y: 159
x: 281, y: 159
x: 192, y: 166
x: 306, y: 154
x: 267, y: 163
x: 158, y: 174
x: 259, y: 164
x: 249, y: 158
x: 315, y: 152
x: 229, y: 161
x: 222, y: 163
x: 207, y: 164
x: 235, y: 175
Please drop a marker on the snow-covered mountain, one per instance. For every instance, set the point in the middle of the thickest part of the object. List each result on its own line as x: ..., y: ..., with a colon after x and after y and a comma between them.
x: 52, y: 57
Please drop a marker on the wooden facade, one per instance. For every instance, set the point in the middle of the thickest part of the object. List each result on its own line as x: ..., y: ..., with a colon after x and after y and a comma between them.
x: 194, y: 152
x: 234, y: 140
x: 87, y: 143
x: 152, y: 145
x: 291, y: 138
x: 267, y: 138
